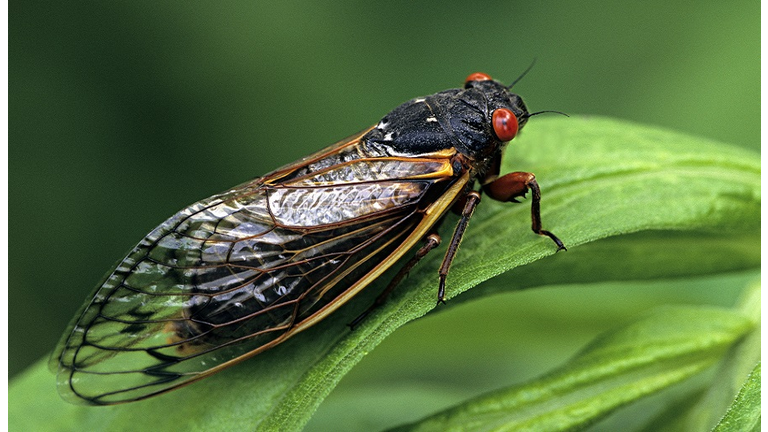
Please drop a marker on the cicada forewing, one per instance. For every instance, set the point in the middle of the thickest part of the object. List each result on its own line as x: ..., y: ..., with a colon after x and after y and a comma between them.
x: 235, y: 274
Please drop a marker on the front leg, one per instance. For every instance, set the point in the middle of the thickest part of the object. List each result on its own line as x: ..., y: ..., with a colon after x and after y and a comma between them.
x: 516, y: 184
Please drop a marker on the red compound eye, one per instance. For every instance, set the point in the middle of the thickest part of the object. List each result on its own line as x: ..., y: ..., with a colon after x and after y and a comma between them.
x: 504, y: 124
x: 477, y: 76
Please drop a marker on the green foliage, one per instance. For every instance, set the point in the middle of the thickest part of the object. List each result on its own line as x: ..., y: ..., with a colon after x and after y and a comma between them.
x: 672, y: 205
x: 653, y: 353
x: 744, y: 414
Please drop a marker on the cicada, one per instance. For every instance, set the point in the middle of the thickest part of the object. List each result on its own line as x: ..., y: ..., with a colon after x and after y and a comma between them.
x: 242, y: 271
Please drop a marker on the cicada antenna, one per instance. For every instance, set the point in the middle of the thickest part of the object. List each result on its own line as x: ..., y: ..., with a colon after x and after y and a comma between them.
x: 522, y: 74
x: 545, y: 111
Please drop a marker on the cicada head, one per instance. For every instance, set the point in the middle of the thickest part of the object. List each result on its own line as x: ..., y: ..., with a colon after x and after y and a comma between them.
x: 486, y: 116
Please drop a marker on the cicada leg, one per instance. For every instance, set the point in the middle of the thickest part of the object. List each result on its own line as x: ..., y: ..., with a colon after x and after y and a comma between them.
x: 432, y: 241
x: 471, y: 200
x: 510, y: 186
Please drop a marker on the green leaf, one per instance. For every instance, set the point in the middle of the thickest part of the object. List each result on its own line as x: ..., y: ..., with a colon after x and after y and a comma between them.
x: 705, y: 411
x: 653, y: 353
x: 744, y: 414
x: 675, y: 205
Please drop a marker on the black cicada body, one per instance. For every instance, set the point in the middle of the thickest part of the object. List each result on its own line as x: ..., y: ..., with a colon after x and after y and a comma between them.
x: 238, y: 273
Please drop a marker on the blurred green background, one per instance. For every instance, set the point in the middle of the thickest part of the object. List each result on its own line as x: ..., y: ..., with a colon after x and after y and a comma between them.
x: 121, y: 113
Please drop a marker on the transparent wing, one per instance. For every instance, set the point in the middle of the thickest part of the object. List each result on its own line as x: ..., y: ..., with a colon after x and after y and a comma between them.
x: 237, y: 273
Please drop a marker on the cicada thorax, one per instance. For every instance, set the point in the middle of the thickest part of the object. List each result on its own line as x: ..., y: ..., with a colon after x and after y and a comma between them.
x: 475, y: 123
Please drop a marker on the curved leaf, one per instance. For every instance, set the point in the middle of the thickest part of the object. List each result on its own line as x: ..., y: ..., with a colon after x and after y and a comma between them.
x: 734, y: 378
x: 659, y: 350
x: 697, y: 204
x: 744, y: 414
